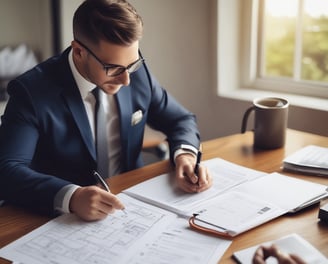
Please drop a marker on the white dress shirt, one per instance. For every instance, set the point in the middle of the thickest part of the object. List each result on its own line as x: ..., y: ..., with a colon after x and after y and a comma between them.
x: 62, y: 199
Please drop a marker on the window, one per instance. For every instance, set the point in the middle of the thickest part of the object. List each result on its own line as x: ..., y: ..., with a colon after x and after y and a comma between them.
x: 273, y: 47
x: 292, y: 41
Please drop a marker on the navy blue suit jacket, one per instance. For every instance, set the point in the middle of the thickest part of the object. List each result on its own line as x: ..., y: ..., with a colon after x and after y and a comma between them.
x: 46, y: 140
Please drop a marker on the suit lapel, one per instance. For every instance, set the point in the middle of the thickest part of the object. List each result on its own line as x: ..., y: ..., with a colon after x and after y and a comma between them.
x: 125, y: 111
x: 76, y: 106
x: 72, y: 97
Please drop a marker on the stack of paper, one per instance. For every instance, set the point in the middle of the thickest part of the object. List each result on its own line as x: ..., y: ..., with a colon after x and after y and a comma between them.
x: 308, y: 160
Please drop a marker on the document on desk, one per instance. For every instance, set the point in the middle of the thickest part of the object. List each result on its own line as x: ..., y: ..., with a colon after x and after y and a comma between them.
x: 292, y: 243
x: 309, y: 160
x: 144, y: 234
x: 239, y: 200
x: 162, y: 191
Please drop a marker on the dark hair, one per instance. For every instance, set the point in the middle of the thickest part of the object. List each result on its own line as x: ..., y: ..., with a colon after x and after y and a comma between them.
x: 115, y: 21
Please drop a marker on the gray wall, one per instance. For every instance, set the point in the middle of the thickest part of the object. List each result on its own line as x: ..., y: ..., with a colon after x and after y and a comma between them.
x: 26, y: 22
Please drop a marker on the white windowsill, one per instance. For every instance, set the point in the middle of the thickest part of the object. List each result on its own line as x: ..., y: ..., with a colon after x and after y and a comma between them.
x: 294, y: 100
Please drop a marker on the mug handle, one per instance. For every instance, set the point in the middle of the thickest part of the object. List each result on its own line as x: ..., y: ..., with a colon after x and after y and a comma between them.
x: 245, y: 118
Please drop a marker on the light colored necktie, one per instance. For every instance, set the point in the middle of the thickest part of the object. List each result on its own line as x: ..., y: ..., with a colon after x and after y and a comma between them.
x: 100, y: 135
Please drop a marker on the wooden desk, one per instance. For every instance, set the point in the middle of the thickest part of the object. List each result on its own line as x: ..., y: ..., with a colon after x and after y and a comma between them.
x: 15, y: 222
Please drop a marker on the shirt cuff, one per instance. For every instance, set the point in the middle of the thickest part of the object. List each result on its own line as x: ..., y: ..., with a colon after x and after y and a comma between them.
x: 63, y: 197
x: 185, y: 149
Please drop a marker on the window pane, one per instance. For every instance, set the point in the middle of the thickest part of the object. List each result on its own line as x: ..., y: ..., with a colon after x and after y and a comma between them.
x: 279, y: 37
x: 315, y: 41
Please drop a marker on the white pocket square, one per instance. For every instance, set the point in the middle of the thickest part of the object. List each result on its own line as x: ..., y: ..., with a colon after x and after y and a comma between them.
x: 136, y: 117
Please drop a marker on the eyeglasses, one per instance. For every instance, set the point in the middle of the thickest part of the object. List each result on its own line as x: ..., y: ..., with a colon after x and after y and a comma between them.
x: 114, y: 69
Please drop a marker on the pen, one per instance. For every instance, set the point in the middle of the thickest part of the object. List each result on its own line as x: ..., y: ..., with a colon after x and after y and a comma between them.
x: 199, y: 157
x: 103, y: 183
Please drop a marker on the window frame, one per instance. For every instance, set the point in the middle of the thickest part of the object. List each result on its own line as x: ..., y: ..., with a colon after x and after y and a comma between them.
x: 238, y: 58
x: 294, y: 84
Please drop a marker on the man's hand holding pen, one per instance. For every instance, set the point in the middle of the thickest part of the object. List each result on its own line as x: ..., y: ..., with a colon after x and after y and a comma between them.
x: 191, y: 176
x: 93, y: 203
x: 96, y: 202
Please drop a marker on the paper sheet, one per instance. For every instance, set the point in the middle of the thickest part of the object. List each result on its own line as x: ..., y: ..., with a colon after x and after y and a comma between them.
x: 145, y: 234
x: 235, y: 212
x: 311, y: 156
x: 292, y: 243
x: 255, y: 202
x: 288, y: 193
x: 162, y: 191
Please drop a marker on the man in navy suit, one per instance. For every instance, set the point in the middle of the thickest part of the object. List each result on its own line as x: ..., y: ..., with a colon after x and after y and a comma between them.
x: 47, y: 135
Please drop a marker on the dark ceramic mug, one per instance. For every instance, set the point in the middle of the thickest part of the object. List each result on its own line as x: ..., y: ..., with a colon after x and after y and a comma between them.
x: 270, y: 124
